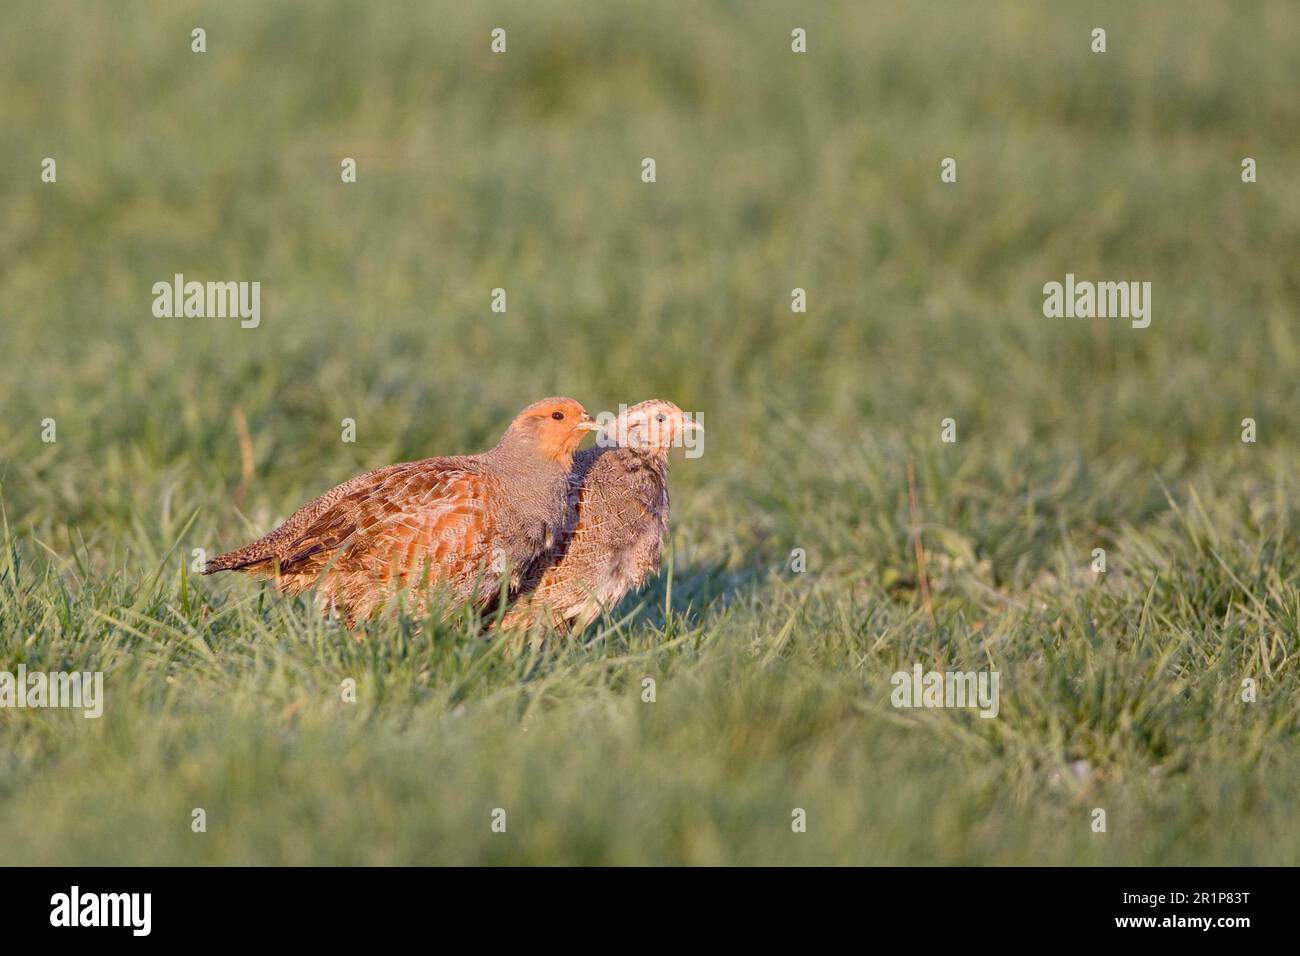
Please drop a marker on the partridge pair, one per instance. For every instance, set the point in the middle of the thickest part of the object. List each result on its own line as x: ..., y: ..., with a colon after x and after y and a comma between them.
x: 562, y: 537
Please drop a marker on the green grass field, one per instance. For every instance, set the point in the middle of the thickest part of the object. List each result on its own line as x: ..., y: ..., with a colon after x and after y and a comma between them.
x: 775, y: 170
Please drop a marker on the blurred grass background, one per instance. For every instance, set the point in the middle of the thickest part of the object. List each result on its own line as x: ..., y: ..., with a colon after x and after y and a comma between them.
x: 775, y: 171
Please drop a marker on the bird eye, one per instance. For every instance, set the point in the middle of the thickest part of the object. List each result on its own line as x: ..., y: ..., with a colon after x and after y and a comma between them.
x: 661, y: 417
x: 558, y: 416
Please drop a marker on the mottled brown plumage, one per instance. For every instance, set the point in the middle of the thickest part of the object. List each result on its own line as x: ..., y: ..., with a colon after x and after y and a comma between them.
x: 459, y: 521
x: 620, y: 500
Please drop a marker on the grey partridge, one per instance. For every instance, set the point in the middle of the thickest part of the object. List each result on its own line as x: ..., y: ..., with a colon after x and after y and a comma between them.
x: 612, y: 543
x: 460, y: 521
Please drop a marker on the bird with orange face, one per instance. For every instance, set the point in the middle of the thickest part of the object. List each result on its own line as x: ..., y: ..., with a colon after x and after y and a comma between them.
x: 472, y: 523
x: 613, y: 541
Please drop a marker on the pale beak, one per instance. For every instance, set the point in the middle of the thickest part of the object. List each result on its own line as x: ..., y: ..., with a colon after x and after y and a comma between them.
x: 587, y: 424
x: 692, y: 423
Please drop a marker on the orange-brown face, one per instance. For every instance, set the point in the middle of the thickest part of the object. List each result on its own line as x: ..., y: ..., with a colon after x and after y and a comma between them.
x: 557, y: 425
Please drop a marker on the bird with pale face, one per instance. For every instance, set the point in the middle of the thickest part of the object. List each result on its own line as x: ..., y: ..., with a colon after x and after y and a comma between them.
x: 620, y: 516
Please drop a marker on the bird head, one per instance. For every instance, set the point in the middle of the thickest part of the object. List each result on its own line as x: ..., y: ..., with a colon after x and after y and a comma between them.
x: 553, y: 428
x: 655, y: 425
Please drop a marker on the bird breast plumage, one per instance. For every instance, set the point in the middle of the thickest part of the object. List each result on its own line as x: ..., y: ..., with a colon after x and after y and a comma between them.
x: 620, y: 515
